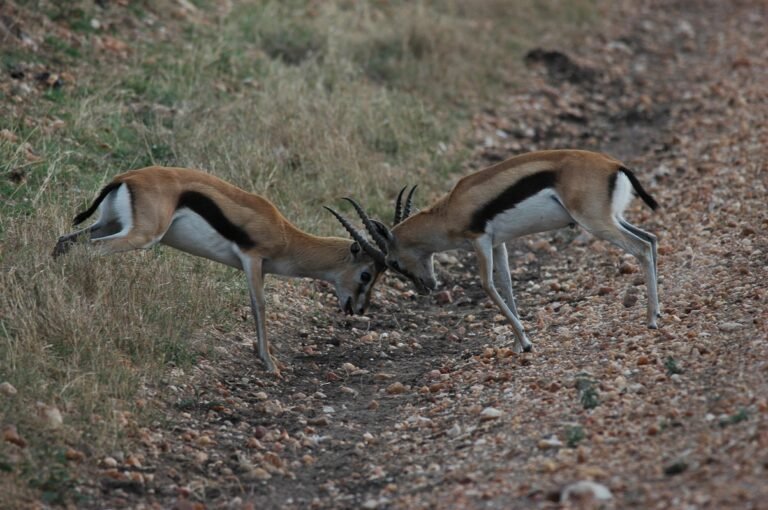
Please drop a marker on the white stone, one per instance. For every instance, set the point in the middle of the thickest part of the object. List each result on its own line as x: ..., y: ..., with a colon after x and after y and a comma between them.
x: 550, y: 442
x: 728, y: 327
x: 454, y: 431
x: 8, y: 389
x: 491, y: 413
x: 585, y: 491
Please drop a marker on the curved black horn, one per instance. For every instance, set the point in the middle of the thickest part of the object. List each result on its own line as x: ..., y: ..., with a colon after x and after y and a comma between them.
x: 375, y: 254
x: 399, y: 206
x: 409, y: 203
x: 380, y: 241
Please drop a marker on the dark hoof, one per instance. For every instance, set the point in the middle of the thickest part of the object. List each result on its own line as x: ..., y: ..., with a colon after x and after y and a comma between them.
x: 528, y: 348
x: 59, y: 250
x: 63, y: 245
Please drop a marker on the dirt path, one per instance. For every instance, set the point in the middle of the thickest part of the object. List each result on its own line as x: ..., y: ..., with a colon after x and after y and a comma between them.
x: 387, y: 411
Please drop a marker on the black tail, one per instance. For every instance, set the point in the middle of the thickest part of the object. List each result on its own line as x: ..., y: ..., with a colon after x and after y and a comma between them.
x: 104, y: 192
x: 648, y: 199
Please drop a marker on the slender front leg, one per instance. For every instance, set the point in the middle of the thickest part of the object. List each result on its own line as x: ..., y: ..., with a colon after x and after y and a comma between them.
x: 484, y: 250
x: 501, y: 263
x: 253, y: 270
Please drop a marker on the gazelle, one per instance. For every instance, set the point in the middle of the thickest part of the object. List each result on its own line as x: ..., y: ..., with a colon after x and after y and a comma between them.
x: 525, y: 194
x: 200, y: 214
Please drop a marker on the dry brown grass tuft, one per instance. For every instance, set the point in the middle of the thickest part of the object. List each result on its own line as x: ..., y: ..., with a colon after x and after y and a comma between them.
x: 85, y: 332
x: 92, y: 337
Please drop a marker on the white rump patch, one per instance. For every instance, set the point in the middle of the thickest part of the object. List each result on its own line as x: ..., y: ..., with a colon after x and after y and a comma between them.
x: 538, y: 213
x: 190, y: 233
x: 622, y: 195
x: 116, y: 207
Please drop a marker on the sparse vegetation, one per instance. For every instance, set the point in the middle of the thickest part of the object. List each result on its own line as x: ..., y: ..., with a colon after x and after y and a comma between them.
x: 672, y: 366
x: 53, y: 479
x: 587, y: 392
x: 738, y: 417
x: 574, y: 435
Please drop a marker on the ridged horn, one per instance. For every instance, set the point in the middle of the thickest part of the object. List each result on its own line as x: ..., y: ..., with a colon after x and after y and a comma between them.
x: 409, y: 203
x: 376, y: 255
x: 399, y: 206
x: 380, y: 241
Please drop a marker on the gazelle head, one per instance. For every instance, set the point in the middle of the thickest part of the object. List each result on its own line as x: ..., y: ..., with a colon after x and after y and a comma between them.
x: 363, y: 267
x: 412, y: 262
x: 354, y: 284
x: 410, y: 257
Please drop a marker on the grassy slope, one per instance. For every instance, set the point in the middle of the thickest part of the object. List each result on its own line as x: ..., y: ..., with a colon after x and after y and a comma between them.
x: 301, y: 101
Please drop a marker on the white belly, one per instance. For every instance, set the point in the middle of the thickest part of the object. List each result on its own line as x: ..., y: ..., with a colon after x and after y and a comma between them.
x: 538, y: 213
x: 190, y: 233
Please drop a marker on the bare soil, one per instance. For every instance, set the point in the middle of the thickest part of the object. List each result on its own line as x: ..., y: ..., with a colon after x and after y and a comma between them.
x: 391, y: 410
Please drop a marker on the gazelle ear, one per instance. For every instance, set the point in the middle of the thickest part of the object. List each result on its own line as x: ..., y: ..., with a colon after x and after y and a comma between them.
x: 382, y: 230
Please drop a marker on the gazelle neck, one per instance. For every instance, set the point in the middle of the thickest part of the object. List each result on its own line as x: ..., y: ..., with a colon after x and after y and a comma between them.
x: 309, y: 256
x: 425, y: 231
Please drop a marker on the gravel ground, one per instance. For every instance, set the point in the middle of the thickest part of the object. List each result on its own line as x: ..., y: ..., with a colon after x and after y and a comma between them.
x: 423, y: 404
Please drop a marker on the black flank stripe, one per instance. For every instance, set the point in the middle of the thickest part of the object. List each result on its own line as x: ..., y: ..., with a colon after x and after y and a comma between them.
x: 510, y: 197
x: 211, y: 213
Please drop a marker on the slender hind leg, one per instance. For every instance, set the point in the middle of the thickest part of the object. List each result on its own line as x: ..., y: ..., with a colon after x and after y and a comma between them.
x: 115, y: 221
x: 117, y: 243
x: 643, y: 249
x: 92, y: 233
x: 66, y: 241
x: 648, y: 237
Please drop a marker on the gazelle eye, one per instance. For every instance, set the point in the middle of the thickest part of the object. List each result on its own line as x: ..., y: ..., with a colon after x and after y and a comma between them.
x: 365, y: 277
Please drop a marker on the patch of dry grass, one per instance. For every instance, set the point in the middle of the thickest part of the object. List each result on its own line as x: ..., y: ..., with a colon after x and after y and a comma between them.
x: 301, y: 101
x: 91, y: 336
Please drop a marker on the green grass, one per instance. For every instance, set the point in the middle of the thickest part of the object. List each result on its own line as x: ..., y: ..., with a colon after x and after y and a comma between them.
x: 672, y: 367
x: 740, y: 416
x: 574, y: 435
x: 588, y: 394
x: 301, y: 101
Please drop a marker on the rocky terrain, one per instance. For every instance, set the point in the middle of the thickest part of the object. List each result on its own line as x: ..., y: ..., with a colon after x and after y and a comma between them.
x: 423, y: 404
